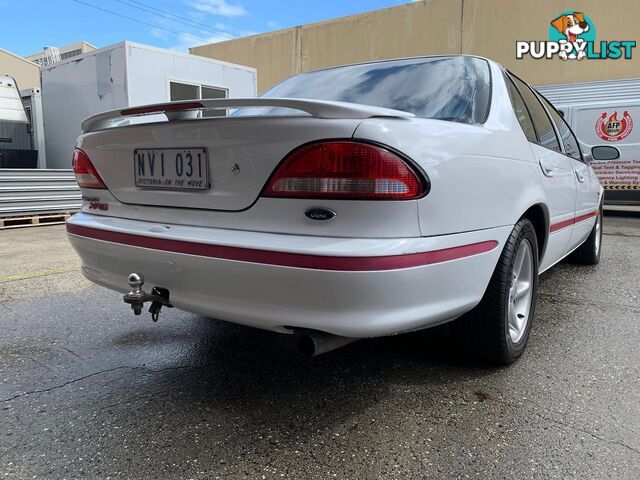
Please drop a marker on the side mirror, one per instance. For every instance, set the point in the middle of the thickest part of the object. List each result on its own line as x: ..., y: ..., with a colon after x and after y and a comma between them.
x: 604, y: 152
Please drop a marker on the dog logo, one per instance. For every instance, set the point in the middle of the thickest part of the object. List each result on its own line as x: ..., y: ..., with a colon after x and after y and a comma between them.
x: 572, y: 36
x: 613, y: 130
x: 571, y: 25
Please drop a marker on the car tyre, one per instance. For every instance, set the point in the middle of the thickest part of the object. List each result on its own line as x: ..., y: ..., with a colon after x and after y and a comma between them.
x: 497, y: 329
x: 589, y: 252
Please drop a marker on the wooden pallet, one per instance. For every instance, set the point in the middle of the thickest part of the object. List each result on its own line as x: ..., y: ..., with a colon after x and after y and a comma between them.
x: 33, y: 220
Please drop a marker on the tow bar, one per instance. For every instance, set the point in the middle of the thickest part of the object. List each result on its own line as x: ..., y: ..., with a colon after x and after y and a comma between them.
x: 159, y: 297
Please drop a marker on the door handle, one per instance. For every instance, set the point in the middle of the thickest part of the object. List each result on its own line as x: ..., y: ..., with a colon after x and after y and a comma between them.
x: 547, y: 169
x: 580, y: 175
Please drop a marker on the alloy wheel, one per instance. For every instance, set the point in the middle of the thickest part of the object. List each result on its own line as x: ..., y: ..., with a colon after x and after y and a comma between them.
x: 521, y: 292
x: 598, y: 232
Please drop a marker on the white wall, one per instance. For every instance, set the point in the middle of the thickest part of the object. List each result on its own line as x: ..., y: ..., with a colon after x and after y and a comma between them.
x: 150, y: 71
x: 76, y: 89
x: 125, y: 74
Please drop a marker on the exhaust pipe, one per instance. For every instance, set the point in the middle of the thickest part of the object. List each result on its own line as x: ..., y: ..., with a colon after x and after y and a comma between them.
x: 312, y: 343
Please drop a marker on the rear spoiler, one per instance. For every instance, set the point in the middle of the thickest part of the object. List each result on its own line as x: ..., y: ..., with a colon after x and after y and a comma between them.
x: 189, y: 110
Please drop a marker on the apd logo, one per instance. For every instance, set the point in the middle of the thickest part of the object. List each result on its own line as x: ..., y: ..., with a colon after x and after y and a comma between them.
x: 613, y: 130
x: 572, y: 36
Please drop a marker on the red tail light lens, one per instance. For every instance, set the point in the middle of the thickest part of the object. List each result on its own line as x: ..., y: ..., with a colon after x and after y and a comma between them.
x: 86, y: 174
x: 345, y: 169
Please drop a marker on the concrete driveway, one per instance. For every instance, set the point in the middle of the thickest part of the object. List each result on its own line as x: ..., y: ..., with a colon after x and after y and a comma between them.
x: 87, y: 390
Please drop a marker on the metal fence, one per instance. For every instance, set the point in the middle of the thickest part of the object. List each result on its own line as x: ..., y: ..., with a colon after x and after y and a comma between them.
x: 25, y: 192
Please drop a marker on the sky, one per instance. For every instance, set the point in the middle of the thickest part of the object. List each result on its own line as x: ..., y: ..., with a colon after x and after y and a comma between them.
x: 26, y: 26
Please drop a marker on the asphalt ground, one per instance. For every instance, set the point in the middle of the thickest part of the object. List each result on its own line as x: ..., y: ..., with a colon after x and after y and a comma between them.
x: 89, y: 391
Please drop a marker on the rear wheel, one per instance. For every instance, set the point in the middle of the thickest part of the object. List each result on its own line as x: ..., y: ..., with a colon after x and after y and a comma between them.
x: 497, y: 330
x: 589, y: 252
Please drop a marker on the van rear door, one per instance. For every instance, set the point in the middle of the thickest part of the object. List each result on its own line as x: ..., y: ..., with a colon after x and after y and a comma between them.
x: 612, y: 124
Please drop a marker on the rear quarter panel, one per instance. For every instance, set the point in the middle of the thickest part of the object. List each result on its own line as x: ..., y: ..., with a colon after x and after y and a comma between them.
x: 482, y: 176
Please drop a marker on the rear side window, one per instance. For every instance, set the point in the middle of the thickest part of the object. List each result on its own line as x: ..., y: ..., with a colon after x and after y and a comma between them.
x: 571, y: 146
x: 544, y: 129
x: 521, y: 111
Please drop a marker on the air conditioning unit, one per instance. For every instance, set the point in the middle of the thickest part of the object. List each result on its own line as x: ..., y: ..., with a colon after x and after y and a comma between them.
x: 51, y: 56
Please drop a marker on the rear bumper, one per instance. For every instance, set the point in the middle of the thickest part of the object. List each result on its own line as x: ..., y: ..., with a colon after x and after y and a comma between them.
x: 349, y: 287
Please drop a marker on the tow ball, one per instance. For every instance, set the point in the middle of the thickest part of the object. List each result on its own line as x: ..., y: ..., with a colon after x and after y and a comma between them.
x: 159, y: 297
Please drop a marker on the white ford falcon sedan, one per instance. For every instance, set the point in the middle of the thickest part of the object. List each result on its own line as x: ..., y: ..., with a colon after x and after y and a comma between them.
x: 359, y: 201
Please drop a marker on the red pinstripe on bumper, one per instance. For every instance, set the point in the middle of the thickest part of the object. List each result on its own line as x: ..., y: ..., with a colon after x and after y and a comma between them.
x: 318, y: 262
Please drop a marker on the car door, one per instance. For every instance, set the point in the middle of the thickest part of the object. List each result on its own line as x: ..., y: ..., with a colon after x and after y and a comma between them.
x: 556, y: 172
x: 587, y: 185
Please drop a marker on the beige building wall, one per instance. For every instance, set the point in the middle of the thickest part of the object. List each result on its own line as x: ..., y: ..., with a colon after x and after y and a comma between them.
x: 422, y: 28
x: 274, y: 54
x: 492, y: 32
x: 66, y: 51
x: 26, y: 73
x: 483, y: 27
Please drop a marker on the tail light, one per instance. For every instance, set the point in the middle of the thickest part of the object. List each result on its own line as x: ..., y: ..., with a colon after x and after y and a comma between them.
x: 86, y: 174
x: 345, y: 169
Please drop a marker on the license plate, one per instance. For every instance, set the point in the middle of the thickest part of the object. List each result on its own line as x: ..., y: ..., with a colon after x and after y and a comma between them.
x: 172, y: 168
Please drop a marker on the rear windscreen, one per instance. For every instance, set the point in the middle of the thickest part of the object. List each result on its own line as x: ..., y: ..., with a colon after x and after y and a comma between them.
x: 445, y: 88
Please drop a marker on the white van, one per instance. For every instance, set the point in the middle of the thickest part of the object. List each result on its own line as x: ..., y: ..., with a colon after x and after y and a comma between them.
x: 604, y: 113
